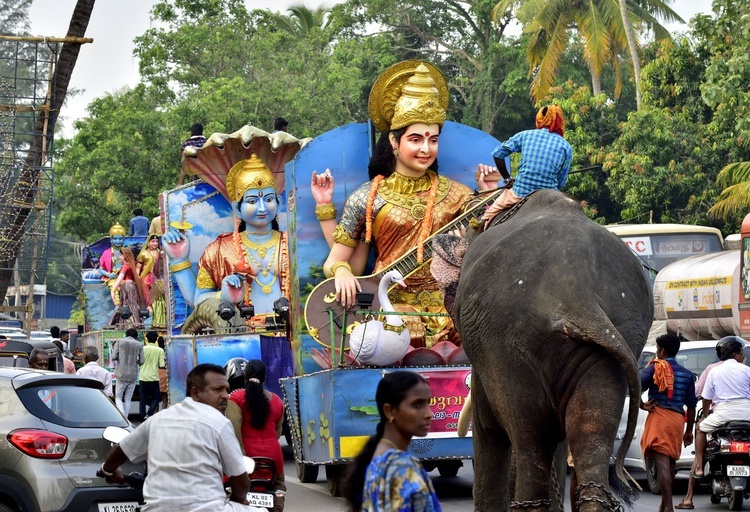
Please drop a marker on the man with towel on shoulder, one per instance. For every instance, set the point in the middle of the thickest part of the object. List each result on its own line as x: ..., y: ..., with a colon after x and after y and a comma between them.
x: 671, y: 388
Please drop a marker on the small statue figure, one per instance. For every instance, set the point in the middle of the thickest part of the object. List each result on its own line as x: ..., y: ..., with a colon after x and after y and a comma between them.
x: 110, y: 262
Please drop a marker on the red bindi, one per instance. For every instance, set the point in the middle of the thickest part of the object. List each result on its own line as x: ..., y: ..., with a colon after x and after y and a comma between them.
x: 426, y: 134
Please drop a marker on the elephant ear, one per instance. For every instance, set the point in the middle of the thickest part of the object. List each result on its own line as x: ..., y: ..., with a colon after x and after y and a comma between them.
x: 447, y: 253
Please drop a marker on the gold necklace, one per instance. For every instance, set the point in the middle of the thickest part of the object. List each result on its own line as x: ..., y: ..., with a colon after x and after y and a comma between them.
x: 266, y: 288
x: 262, y: 248
x: 388, y: 441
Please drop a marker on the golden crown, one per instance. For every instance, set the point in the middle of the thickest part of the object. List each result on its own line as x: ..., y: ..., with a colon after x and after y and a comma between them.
x: 249, y: 174
x: 406, y: 93
x: 117, y: 229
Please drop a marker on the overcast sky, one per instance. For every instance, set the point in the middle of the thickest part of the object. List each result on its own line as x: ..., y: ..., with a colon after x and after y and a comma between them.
x: 107, y: 64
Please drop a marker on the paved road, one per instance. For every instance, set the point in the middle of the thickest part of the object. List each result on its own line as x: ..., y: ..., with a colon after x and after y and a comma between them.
x: 455, y: 493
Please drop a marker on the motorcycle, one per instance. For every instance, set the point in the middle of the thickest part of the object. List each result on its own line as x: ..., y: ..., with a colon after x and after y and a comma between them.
x: 728, y: 458
x: 263, y: 483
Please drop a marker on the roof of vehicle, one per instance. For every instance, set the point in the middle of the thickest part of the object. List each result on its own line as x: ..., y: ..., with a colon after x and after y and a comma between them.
x: 687, y: 345
x: 659, y: 229
x: 23, y: 377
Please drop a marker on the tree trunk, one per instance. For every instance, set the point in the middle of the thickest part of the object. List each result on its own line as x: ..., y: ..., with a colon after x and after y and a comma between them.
x: 24, y: 190
x: 596, y: 81
x: 633, y: 51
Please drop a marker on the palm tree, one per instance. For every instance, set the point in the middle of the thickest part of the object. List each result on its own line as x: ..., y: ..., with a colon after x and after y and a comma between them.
x: 633, y: 47
x: 735, y: 178
x: 600, y: 23
x: 25, y: 188
x: 302, y: 20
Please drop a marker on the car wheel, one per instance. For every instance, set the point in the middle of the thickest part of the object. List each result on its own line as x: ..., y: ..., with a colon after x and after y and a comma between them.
x: 6, y: 508
x: 715, y: 499
x: 651, y: 477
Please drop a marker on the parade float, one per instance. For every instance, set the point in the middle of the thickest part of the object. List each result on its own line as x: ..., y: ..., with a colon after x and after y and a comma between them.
x: 237, y: 285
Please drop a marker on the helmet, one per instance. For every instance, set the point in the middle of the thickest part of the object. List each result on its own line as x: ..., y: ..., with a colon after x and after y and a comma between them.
x: 235, y: 372
x: 728, y: 346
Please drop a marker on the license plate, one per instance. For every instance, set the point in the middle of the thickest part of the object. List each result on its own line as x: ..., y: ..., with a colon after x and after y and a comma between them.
x: 738, y: 470
x: 117, y: 507
x: 260, y: 499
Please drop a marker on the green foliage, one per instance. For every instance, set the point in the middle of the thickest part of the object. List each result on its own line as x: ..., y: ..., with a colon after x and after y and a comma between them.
x: 121, y: 158
x: 662, y: 167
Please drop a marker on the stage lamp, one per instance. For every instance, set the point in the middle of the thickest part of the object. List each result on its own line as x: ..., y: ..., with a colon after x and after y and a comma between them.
x: 226, y: 310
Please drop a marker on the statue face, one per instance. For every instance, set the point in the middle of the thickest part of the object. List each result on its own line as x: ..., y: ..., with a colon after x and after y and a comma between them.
x: 117, y: 240
x: 418, y: 147
x: 258, y: 208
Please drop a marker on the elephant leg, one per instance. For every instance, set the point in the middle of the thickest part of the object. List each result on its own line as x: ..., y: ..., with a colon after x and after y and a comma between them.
x: 533, y: 459
x: 491, y: 455
x: 591, y: 420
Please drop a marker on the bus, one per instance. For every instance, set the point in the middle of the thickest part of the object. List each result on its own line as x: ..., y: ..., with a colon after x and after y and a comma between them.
x: 658, y: 245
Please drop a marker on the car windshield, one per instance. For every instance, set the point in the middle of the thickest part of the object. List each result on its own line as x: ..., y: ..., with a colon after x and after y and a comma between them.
x: 71, y: 405
x: 694, y: 359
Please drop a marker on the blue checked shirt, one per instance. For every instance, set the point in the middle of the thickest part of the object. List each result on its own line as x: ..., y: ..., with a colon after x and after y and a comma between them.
x: 545, y: 160
x: 684, y: 387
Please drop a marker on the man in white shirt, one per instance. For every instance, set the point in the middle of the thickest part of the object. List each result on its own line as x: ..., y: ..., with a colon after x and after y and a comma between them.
x: 189, y: 447
x: 728, y: 387
x: 92, y: 369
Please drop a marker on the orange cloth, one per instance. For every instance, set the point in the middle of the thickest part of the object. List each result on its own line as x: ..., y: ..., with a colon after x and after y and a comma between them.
x: 663, y: 376
x: 551, y: 117
x: 663, y: 433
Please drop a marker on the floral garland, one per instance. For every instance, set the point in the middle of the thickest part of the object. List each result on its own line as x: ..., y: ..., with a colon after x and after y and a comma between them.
x: 244, y: 267
x: 370, y: 202
x: 426, y: 226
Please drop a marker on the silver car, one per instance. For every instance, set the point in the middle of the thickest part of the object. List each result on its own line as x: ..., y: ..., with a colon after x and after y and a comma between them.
x: 51, y: 444
x: 693, y: 355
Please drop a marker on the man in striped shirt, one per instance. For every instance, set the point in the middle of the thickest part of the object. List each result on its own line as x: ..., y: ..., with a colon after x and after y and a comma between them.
x: 545, y: 159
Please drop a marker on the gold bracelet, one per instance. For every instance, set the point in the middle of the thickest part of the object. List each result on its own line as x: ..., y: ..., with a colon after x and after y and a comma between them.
x: 180, y: 266
x: 325, y: 211
x: 339, y: 264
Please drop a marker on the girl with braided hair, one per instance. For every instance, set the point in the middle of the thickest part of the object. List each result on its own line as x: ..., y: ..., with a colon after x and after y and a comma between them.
x: 384, y: 476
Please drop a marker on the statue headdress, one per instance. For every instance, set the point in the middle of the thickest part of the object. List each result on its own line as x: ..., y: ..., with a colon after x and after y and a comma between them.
x: 117, y: 229
x: 248, y: 174
x: 406, y: 93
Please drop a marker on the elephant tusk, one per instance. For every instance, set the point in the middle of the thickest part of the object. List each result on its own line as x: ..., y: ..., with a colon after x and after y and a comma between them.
x: 465, y: 417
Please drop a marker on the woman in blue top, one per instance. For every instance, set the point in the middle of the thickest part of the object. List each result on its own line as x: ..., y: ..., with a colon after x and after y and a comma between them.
x: 385, y: 477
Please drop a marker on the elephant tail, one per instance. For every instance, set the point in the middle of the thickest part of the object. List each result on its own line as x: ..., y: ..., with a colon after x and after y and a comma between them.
x: 605, y: 335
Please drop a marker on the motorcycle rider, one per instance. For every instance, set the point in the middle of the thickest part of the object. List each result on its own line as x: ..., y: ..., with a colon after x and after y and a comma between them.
x: 181, y: 444
x: 727, y: 386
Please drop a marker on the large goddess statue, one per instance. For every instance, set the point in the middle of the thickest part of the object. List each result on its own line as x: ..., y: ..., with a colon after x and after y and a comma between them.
x: 405, y: 200
x: 248, y: 266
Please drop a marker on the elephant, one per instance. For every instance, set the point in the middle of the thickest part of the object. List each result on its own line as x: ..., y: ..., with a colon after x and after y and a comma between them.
x: 553, y: 311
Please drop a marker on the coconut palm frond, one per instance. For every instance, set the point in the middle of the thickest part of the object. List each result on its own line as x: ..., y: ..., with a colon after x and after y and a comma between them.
x: 500, y: 9
x: 557, y: 40
x: 733, y: 199
x: 597, y: 36
x: 734, y: 174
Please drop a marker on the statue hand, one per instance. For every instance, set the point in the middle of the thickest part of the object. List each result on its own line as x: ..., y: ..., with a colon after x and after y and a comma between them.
x: 347, y: 287
x: 321, y: 186
x: 487, y: 177
x: 176, y: 245
x: 233, y: 288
